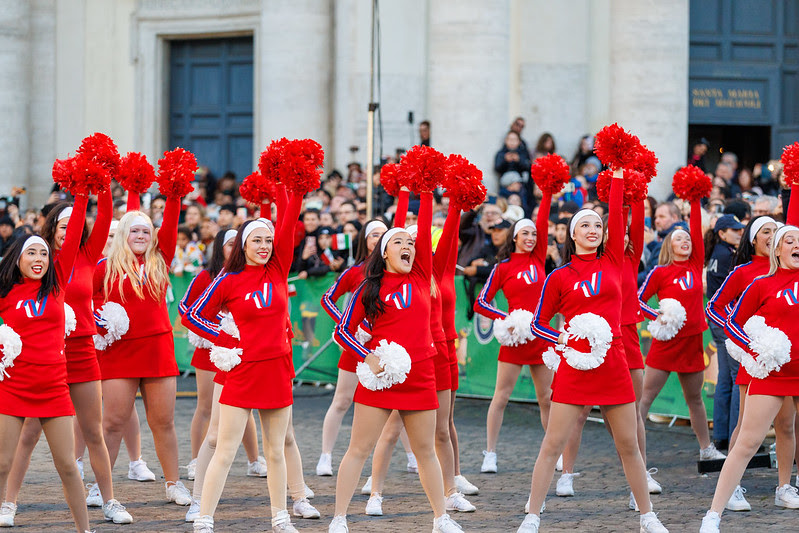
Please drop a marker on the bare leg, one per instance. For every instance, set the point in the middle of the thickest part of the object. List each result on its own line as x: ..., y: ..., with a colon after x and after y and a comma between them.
x: 275, y: 423
x: 443, y: 444
x: 507, y: 375
x: 208, y: 446
x: 88, y: 401
x: 28, y: 437
x: 119, y: 396
x: 692, y: 392
x: 654, y: 379
x: 80, y: 444
x: 742, y: 404
x: 622, y: 420
x: 342, y: 400
x: 420, y: 426
x: 10, y: 431
x: 575, y: 439
x: 406, y: 442
x: 159, y: 404
x: 131, y: 434
x: 232, y: 421
x: 294, y: 476
x: 202, y: 413
x: 784, y: 431
x: 250, y: 440
x: 637, y: 376
x: 453, y: 434
x: 383, y: 450
x: 542, y: 380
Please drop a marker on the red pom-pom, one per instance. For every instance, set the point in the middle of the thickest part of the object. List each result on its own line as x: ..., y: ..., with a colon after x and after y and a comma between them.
x: 269, y: 162
x: 616, y: 147
x: 646, y: 163
x: 136, y: 174
x: 176, y: 173
x: 635, y: 186
x: 464, y: 183
x: 257, y: 189
x: 101, y: 149
x: 422, y: 169
x: 790, y: 163
x: 389, y: 178
x: 300, y: 166
x: 62, y: 172
x: 80, y: 175
x: 690, y: 183
x: 550, y: 173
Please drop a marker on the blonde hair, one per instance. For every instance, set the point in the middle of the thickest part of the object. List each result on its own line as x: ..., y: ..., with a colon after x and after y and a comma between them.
x: 774, y: 255
x: 122, y: 261
x: 666, y: 256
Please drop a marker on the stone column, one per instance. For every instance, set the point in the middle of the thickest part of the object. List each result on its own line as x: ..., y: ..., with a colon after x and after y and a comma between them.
x: 468, y: 92
x: 649, y: 79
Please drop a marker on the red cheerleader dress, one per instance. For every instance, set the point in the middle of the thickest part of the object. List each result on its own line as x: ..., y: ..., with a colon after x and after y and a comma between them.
x: 630, y: 308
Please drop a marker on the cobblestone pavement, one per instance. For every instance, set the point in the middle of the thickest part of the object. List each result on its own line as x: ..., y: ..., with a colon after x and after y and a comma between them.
x: 600, y: 504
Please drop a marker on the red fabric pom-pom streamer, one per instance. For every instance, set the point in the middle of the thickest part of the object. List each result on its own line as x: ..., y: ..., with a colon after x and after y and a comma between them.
x: 690, y: 183
x: 300, y: 166
x: 615, y: 147
x: 269, y: 162
x: 790, y: 163
x: 464, y: 183
x: 257, y: 189
x: 635, y: 186
x: 136, y: 174
x: 80, y: 175
x: 550, y: 173
x: 101, y: 149
x: 389, y: 178
x: 176, y: 173
x: 421, y: 169
x: 646, y: 163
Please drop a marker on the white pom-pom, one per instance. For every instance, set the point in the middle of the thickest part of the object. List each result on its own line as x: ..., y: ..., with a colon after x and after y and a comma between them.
x: 597, y: 332
x: 671, y: 318
x: 228, y: 325
x: 551, y: 359
x: 514, y: 329
x: 12, y: 347
x: 772, y: 346
x: 114, y: 319
x: 395, y: 362
x: 198, y: 341
x: 70, y: 320
x: 735, y: 351
x: 99, y: 342
x: 362, y: 336
x: 225, y: 358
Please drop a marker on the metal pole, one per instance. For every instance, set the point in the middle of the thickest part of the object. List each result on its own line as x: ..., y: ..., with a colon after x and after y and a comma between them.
x: 370, y: 124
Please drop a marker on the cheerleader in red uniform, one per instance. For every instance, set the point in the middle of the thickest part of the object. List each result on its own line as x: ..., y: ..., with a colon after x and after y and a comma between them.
x: 677, y: 327
x: 254, y: 290
x: 33, y: 369
x: 762, y: 330
x: 592, y: 369
x: 395, y: 299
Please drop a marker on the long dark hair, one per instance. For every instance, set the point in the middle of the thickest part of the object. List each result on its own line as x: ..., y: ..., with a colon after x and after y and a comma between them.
x: 51, y: 223
x: 509, y: 246
x: 373, y: 279
x: 361, y: 251
x: 218, y: 254
x: 237, y: 260
x: 746, y: 250
x: 10, y: 274
x: 711, y: 240
x: 570, y: 247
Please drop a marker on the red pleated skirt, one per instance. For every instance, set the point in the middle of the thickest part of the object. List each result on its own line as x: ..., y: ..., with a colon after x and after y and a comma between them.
x: 349, y: 360
x: 220, y: 377
x: 36, y: 391
x: 743, y: 377
x: 632, y: 346
x: 201, y: 360
x: 416, y: 393
x: 682, y: 354
x: 263, y: 384
x: 608, y: 384
x: 145, y: 357
x: 443, y: 366
x: 454, y: 370
x: 82, y: 365
x: 529, y: 353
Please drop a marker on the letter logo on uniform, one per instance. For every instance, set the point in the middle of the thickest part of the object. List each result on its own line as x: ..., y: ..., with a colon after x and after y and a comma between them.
x: 262, y: 299
x: 402, y: 298
x: 529, y: 276
x: 790, y: 294
x: 32, y: 307
x: 590, y: 288
x: 685, y: 282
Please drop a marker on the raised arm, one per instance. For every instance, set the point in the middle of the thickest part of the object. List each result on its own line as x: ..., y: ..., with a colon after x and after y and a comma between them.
x: 546, y: 309
x: 424, y: 238
x: 490, y: 289
x: 284, y: 240
x: 402, y: 208
x: 542, y: 227
x: 792, y: 216
x: 69, y: 250
x: 616, y: 226
x: 697, y: 239
x: 281, y: 202
x: 637, y: 232
x: 168, y: 232
x: 441, y: 258
x: 266, y: 210
x: 353, y: 315
x: 647, y: 290
x: 96, y: 241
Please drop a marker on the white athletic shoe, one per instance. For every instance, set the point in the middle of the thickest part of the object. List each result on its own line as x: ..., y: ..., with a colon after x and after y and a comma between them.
x: 79, y: 462
x: 464, y: 487
x: 204, y: 524
x: 257, y: 468
x: 115, y: 512
x: 94, y: 499
x: 367, y: 487
x: 651, y: 524
x: 654, y: 486
x: 138, y: 471
x: 737, y: 502
x: 565, y: 485
x: 374, y: 507
x: 8, y: 511
x: 445, y: 524
x: 710, y: 453
x: 787, y: 496
x: 191, y: 469
x: 178, y: 493
x: 456, y: 502
x: 412, y: 467
x: 633, y: 505
x: 530, y: 524
x: 325, y: 465
x: 282, y: 523
x: 338, y: 525
x: 710, y: 523
x: 309, y: 494
x: 303, y: 508
x: 559, y: 464
x: 194, y: 511
x: 527, y: 506
x: 489, y: 463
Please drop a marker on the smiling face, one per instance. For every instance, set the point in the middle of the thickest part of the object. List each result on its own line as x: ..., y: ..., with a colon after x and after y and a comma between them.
x: 60, y: 233
x: 588, y: 234
x: 33, y: 261
x: 681, y: 246
x: 400, y: 253
x: 788, y: 253
x: 525, y: 239
x: 139, y: 239
x: 763, y: 239
x: 258, y: 248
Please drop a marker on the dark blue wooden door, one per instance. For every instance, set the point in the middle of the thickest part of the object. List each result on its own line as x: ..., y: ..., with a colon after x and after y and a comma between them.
x: 211, y: 101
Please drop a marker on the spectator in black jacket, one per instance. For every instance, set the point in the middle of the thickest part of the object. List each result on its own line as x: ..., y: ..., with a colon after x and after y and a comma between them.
x: 512, y: 165
x: 6, y: 234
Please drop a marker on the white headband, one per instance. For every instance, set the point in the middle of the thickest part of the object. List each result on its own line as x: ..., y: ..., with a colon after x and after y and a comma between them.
x: 30, y: 241
x: 757, y: 225
x: 114, y: 225
x: 229, y: 234
x: 412, y: 230
x: 780, y: 234
x: 140, y: 220
x: 370, y: 227
x: 387, y: 236
x: 66, y: 213
x: 679, y: 230
x: 252, y: 226
x: 579, y: 215
x: 521, y: 224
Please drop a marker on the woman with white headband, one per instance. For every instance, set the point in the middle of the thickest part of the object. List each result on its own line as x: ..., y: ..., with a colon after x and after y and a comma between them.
x: 133, y: 281
x: 33, y: 369
x: 83, y: 371
x: 677, y: 326
x: 253, y: 288
x: 591, y: 367
x: 763, y: 335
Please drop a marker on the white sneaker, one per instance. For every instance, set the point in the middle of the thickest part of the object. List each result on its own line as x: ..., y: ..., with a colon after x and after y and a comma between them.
x: 445, y: 524
x: 8, y: 511
x: 115, y: 512
x: 338, y: 525
x: 138, y: 471
x: 325, y: 465
x: 654, y: 486
x: 787, y: 496
x: 651, y: 524
x: 710, y: 453
x: 191, y: 469
x: 194, y: 511
x: 257, y: 468
x: 79, y: 462
x: 737, y: 501
x: 282, y: 523
x: 530, y: 524
x: 464, y: 487
x: 412, y: 467
x: 559, y: 464
x: 367, y: 487
x: 633, y: 505
x: 527, y: 506
x: 204, y: 524
x: 309, y: 494
x: 565, y: 485
x: 456, y: 502
x: 304, y: 509
x: 94, y: 499
x: 489, y: 463
x: 178, y: 493
x: 374, y: 507
x: 710, y: 523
